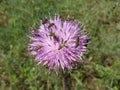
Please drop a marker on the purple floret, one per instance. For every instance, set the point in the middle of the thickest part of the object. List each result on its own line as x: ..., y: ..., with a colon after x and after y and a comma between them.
x: 58, y: 44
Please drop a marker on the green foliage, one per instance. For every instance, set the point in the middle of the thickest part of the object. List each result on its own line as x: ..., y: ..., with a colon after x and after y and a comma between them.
x: 102, y: 21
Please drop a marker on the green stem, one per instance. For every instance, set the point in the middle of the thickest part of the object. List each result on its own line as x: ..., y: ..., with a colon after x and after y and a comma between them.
x: 63, y: 82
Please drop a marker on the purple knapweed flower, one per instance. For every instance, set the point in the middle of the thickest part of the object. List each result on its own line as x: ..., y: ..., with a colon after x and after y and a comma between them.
x: 58, y: 44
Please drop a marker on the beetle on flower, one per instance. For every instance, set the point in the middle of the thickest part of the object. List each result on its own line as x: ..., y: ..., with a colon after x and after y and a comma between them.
x: 58, y: 44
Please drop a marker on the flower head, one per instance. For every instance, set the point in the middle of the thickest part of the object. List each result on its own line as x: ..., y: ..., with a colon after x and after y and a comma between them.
x: 58, y: 44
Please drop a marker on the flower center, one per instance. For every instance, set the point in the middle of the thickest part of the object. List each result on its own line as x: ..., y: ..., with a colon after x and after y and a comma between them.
x: 62, y: 45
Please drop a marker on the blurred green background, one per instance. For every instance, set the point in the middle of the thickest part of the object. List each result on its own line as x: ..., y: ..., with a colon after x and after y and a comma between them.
x: 102, y: 21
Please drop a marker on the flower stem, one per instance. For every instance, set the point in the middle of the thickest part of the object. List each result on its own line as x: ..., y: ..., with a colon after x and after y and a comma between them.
x: 63, y: 81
